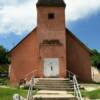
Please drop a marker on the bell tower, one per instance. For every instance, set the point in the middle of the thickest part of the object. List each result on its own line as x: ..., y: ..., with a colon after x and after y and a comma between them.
x: 51, y: 18
x: 51, y: 33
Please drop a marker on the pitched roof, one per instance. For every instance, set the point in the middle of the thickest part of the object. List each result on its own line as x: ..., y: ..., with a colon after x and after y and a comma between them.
x: 50, y: 3
x: 67, y: 30
x: 21, y: 41
x: 79, y: 41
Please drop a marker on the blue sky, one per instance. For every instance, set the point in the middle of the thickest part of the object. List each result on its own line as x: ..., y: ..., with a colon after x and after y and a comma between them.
x: 18, y: 18
x: 88, y: 30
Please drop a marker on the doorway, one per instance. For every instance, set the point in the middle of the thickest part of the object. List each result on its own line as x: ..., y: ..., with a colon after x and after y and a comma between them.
x: 51, y: 67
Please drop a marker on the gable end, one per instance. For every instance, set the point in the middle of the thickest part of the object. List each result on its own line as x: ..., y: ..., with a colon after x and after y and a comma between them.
x: 79, y: 41
x: 9, y: 53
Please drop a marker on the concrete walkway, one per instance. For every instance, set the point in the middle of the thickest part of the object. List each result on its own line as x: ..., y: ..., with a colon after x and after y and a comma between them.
x: 53, y: 94
x: 90, y: 87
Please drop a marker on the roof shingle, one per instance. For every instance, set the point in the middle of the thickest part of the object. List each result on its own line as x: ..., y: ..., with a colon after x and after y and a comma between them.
x: 50, y: 3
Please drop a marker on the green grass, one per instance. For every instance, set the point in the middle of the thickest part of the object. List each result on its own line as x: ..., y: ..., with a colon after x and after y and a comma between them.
x: 92, y: 94
x: 4, y: 81
x: 7, y: 93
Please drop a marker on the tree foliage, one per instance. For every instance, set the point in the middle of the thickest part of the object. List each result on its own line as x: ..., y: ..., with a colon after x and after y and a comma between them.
x: 4, y: 59
x: 95, y: 58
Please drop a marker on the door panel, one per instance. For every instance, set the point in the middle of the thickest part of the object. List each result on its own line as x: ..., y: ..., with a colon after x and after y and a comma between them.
x: 51, y: 67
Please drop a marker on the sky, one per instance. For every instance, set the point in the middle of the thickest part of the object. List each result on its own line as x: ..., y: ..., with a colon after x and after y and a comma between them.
x: 19, y: 17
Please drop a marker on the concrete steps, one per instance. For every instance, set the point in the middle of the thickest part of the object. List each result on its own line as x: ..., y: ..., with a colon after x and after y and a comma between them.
x: 54, y: 89
x: 60, y: 89
x: 55, y: 84
x: 53, y: 98
x: 54, y: 95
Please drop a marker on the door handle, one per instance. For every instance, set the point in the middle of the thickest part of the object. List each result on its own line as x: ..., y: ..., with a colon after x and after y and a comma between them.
x: 51, y: 68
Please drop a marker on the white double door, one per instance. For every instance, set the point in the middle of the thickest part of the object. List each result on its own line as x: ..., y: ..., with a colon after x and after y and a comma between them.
x: 51, y: 67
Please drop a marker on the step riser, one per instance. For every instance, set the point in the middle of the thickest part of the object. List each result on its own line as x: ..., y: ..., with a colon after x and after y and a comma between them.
x: 55, y: 99
x: 48, y: 83
x: 59, y: 89
x: 61, y: 85
x: 58, y: 84
x: 52, y: 79
x: 55, y: 86
x: 57, y: 81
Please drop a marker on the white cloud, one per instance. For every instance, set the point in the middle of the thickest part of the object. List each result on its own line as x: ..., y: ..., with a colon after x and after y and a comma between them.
x: 19, y: 16
x: 17, y: 19
x: 78, y: 9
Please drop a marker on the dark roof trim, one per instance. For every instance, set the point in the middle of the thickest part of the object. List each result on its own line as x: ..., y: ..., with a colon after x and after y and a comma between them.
x: 51, y: 3
x: 21, y: 41
x: 79, y: 41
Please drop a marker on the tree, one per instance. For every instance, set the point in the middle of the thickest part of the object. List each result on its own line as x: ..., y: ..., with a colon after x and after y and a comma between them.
x: 95, y: 58
x: 4, y: 59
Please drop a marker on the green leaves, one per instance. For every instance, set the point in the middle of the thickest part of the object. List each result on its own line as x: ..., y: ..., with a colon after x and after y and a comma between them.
x: 95, y: 58
x: 3, y: 56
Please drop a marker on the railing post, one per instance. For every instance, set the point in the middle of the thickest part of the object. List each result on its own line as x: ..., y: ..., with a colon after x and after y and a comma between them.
x: 68, y: 75
x: 77, y: 92
x: 76, y: 88
x: 30, y: 95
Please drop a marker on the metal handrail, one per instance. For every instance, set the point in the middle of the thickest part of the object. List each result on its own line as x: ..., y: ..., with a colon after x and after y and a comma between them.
x: 69, y: 72
x: 30, y: 95
x: 76, y: 89
x: 31, y: 85
x: 72, y: 77
x: 26, y: 76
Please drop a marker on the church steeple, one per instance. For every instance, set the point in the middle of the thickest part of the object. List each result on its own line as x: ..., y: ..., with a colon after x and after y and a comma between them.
x: 51, y: 3
x: 51, y: 20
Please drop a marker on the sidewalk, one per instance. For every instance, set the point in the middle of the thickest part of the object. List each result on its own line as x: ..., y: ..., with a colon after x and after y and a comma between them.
x: 53, y: 94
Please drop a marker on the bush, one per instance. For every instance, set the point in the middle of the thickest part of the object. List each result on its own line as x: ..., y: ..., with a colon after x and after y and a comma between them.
x: 95, y: 59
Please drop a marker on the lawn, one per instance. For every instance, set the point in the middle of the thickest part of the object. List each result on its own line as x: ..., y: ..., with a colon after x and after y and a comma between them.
x: 92, y: 94
x: 4, y: 81
x: 7, y: 93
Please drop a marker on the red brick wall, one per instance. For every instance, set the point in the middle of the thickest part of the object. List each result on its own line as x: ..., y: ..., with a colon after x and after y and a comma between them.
x: 29, y: 54
x: 78, y: 59
x: 24, y: 58
x: 52, y: 29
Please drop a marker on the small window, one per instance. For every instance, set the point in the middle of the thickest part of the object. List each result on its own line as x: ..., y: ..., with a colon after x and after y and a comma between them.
x: 51, y: 16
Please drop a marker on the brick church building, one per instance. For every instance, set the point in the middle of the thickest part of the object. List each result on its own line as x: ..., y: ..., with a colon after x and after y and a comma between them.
x: 50, y: 50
